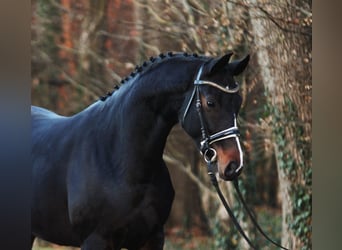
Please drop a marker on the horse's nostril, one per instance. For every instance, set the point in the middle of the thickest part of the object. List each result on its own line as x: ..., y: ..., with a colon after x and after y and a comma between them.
x: 230, y: 171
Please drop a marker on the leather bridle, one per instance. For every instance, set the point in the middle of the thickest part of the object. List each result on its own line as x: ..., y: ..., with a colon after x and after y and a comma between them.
x: 210, y: 154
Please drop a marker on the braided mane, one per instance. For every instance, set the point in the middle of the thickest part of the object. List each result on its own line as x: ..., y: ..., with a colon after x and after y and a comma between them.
x: 145, y: 65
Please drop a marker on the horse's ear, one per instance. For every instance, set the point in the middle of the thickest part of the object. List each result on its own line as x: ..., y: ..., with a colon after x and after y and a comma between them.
x: 238, y: 66
x: 218, y: 63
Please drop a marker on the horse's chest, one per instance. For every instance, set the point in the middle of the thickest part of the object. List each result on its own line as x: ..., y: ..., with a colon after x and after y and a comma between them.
x: 140, y: 203
x: 145, y: 218
x: 146, y: 204
x: 123, y: 209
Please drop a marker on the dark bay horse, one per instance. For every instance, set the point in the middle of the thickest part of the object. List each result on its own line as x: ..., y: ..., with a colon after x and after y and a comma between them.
x: 98, y: 177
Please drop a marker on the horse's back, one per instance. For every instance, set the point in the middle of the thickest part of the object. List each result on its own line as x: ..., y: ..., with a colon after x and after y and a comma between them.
x: 38, y: 113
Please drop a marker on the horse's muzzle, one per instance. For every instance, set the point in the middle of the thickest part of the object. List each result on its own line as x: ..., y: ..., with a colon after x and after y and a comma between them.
x: 229, y: 162
x: 232, y: 171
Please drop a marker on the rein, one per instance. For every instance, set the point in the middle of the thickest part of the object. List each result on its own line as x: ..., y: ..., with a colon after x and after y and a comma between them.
x: 211, y: 173
x: 210, y: 154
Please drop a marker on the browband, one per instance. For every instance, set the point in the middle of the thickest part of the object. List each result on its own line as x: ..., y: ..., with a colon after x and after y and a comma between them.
x: 224, y: 89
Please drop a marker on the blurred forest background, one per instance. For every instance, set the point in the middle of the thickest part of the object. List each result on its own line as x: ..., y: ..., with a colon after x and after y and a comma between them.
x: 81, y: 49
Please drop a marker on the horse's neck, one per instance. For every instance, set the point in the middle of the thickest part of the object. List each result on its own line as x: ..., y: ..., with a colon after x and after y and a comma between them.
x: 162, y: 90
x: 133, y: 123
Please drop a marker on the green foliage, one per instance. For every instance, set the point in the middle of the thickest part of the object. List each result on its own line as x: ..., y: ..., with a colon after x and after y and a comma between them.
x: 223, y: 240
x: 270, y: 222
x: 48, y: 15
x: 301, y: 193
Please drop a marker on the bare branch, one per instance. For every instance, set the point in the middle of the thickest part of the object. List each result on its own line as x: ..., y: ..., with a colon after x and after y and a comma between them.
x: 127, y: 38
x: 187, y: 170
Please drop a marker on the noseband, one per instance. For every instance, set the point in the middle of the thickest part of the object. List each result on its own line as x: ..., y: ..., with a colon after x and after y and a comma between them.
x: 208, y: 152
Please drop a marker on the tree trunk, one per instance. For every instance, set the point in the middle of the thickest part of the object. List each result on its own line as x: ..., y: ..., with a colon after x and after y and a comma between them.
x: 282, y: 34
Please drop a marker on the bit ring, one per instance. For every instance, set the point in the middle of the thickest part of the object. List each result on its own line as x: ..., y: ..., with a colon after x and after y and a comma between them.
x: 210, y: 155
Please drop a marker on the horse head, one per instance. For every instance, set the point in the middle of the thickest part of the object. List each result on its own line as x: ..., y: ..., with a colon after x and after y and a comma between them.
x: 210, y: 113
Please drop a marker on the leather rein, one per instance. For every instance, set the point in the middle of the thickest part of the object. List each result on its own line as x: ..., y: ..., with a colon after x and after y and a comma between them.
x: 210, y: 154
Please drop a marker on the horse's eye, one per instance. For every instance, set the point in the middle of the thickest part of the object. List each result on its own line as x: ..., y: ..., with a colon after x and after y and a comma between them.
x: 211, y: 104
